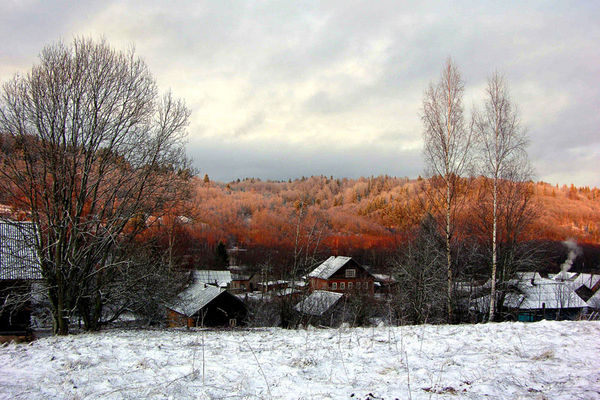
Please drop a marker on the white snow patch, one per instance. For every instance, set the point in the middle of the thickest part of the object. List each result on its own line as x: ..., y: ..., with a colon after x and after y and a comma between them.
x: 553, y: 360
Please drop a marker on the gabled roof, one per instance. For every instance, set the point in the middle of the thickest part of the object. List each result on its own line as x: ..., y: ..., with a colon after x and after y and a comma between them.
x: 329, y: 267
x: 594, y: 300
x: 212, y: 277
x: 194, y: 298
x: 538, y: 292
x: 318, y: 303
x: 384, y: 278
x: 18, y: 258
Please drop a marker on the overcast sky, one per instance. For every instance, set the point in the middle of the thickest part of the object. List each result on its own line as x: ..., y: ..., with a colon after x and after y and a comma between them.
x: 284, y: 89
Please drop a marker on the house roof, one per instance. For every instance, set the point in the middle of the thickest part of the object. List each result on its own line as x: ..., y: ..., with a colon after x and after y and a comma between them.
x: 594, y: 301
x: 318, y: 303
x: 538, y: 292
x: 212, y: 277
x: 18, y: 258
x: 384, y: 278
x: 329, y: 267
x: 194, y: 298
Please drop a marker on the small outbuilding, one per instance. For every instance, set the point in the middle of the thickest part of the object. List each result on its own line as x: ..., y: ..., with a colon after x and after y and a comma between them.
x: 320, y: 307
x: 205, y: 305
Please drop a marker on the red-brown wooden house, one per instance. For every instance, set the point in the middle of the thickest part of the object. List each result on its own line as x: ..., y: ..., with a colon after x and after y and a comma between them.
x: 343, y: 275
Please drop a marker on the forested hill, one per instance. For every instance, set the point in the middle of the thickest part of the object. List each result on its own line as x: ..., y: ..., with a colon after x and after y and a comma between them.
x: 375, y: 213
x: 366, y: 217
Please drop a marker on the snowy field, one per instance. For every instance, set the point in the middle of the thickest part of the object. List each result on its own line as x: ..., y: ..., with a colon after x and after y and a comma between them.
x: 545, y: 360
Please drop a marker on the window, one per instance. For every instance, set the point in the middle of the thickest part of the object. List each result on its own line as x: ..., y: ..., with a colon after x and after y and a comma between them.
x: 334, y: 285
x: 342, y: 285
x: 350, y: 273
x: 232, y: 322
x: 349, y: 285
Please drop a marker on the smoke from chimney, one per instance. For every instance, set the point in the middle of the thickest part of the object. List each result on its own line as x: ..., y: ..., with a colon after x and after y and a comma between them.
x: 574, y: 252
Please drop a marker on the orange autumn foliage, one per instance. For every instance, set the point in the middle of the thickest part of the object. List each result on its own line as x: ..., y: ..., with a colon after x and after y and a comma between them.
x: 365, y: 213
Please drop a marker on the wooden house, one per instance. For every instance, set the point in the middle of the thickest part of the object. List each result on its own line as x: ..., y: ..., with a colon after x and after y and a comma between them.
x: 321, y: 307
x: 534, y: 297
x: 220, y: 279
x: 206, y: 305
x: 244, y: 282
x: 19, y: 271
x: 342, y: 275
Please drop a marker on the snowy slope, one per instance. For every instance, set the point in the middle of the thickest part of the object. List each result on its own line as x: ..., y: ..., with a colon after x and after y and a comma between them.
x: 545, y: 360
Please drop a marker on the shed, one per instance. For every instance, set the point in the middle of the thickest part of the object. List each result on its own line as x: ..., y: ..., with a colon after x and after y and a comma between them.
x: 201, y: 304
x: 320, y: 307
x: 318, y: 302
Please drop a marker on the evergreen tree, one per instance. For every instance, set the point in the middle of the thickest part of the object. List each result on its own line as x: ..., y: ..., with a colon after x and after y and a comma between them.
x: 221, y: 257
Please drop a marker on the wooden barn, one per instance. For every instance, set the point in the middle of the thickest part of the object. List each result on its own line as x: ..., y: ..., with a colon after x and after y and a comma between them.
x: 343, y: 275
x: 205, y: 305
x: 321, y: 307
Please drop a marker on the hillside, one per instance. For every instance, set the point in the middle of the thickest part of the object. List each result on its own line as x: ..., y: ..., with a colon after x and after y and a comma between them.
x: 366, y: 217
x: 358, y: 216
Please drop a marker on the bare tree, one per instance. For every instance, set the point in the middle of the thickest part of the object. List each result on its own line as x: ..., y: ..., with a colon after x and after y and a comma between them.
x: 93, y: 150
x: 447, y: 148
x: 502, y: 157
x: 419, y: 269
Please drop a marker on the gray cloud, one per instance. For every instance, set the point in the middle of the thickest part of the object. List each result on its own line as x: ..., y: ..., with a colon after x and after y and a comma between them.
x: 288, y: 89
x: 279, y: 161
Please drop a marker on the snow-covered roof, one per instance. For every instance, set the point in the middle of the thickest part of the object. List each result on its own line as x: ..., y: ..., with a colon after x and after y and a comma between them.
x: 318, y: 303
x: 538, y: 292
x: 194, y: 298
x: 271, y: 283
x: 240, y: 277
x: 212, y: 277
x: 594, y: 301
x: 18, y: 258
x: 329, y: 267
x: 384, y: 278
x: 577, y: 280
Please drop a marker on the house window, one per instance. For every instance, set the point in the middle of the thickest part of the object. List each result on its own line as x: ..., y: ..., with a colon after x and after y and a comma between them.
x: 349, y: 285
x: 366, y: 285
x: 350, y: 273
x: 342, y: 285
x: 232, y: 322
x: 334, y: 285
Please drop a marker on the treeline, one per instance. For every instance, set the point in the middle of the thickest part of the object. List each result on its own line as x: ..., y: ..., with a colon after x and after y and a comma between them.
x: 368, y: 217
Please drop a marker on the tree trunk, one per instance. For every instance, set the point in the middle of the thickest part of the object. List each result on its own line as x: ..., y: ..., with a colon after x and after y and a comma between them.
x: 448, y: 254
x: 494, y: 252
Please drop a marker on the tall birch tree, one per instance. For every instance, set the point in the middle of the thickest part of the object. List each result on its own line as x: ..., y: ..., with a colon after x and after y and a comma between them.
x: 447, y: 141
x: 501, y: 143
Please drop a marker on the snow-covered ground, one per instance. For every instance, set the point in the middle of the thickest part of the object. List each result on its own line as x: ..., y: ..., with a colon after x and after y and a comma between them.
x: 545, y: 360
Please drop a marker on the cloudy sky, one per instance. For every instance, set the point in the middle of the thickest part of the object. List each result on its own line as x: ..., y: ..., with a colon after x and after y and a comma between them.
x: 291, y: 88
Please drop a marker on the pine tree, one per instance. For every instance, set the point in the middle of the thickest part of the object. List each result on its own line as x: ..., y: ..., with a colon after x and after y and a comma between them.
x: 221, y: 257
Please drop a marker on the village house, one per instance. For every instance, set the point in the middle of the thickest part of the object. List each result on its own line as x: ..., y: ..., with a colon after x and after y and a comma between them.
x: 201, y: 304
x: 244, y: 282
x: 20, y: 271
x: 220, y: 279
x: 534, y: 297
x: 343, y: 275
x: 321, y: 307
